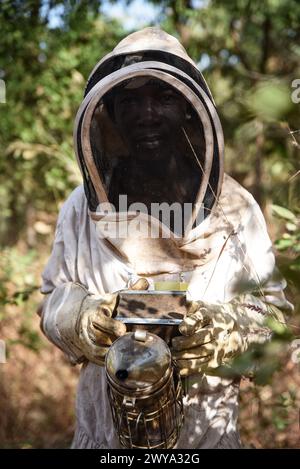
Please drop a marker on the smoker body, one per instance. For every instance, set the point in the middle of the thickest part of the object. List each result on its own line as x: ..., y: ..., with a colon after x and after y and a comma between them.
x: 145, y: 391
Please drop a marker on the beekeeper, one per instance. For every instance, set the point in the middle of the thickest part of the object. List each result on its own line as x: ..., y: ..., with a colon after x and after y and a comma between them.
x: 156, y: 207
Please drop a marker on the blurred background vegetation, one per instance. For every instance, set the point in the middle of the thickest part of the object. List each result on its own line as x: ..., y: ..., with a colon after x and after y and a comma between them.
x: 249, y: 53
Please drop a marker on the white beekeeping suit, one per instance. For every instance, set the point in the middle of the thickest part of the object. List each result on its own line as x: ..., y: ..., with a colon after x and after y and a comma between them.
x: 148, y: 129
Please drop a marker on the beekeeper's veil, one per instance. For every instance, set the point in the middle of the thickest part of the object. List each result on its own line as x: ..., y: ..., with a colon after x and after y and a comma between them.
x: 192, y: 154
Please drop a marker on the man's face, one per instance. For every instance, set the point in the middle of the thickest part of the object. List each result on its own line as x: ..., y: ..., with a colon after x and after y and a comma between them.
x: 150, y: 116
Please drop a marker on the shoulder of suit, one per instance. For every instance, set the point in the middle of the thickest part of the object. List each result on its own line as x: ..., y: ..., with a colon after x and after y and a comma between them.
x: 235, y: 203
x: 233, y: 191
x: 77, y: 196
x: 75, y: 203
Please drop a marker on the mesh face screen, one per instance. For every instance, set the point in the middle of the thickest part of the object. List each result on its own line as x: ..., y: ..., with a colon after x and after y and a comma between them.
x: 148, y: 142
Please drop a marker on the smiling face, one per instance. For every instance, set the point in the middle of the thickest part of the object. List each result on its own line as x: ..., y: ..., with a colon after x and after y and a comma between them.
x: 148, y: 117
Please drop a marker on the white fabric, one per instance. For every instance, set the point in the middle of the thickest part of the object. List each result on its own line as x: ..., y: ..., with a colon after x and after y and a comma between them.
x: 242, y: 255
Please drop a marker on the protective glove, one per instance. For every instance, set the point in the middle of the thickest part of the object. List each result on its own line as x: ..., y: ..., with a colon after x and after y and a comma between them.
x: 81, y: 324
x: 96, y: 329
x: 213, y: 334
x: 140, y: 284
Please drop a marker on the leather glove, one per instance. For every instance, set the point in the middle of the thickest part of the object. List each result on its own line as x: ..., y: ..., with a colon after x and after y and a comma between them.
x: 96, y: 329
x: 213, y: 334
x: 139, y: 284
x: 81, y: 324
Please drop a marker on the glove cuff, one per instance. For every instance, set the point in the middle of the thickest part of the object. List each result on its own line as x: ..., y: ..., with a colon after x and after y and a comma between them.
x: 60, y: 316
x: 249, y: 308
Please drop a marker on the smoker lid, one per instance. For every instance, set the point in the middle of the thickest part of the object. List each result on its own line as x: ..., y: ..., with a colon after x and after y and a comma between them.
x: 138, y: 360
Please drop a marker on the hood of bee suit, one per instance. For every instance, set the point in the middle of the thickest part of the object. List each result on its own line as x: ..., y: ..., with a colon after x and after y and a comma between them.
x: 185, y: 169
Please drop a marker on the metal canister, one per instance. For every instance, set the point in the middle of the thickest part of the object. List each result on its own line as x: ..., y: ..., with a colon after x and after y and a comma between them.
x: 144, y: 390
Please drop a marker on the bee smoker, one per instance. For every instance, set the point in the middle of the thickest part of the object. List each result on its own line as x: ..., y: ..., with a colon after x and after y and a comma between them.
x: 144, y: 390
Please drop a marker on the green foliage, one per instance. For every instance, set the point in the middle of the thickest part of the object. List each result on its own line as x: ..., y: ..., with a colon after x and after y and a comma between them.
x: 286, y: 214
x: 18, y: 284
x: 27, y: 338
x: 280, y: 411
x: 288, y: 244
x: 17, y: 280
x: 45, y: 72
